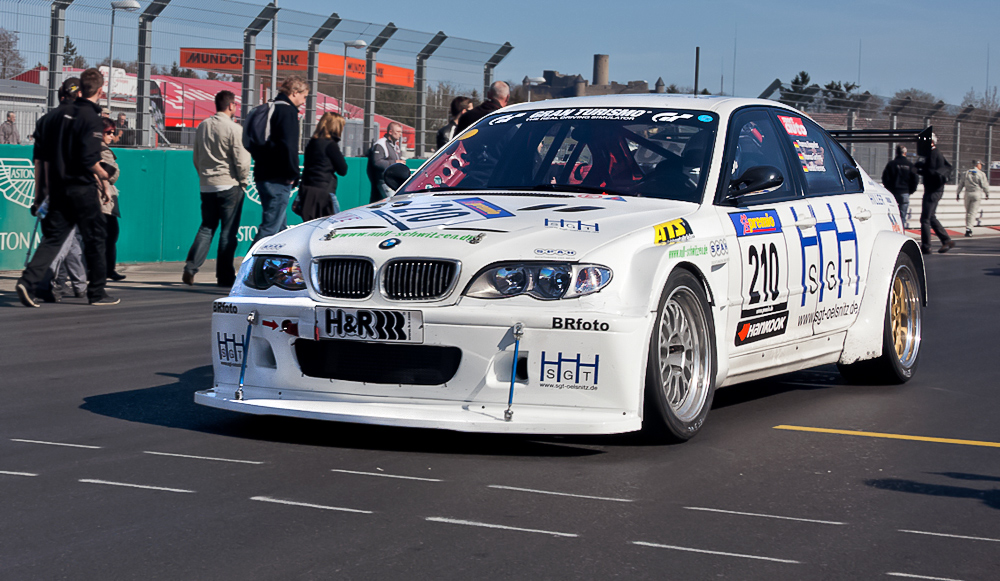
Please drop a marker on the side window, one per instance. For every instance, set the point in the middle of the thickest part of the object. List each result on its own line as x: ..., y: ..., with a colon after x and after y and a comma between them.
x: 812, y: 147
x: 753, y: 141
x: 844, y: 161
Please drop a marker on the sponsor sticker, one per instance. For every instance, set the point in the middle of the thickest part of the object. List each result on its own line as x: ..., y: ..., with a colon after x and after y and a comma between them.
x: 225, y: 308
x: 370, y: 325
x: 230, y: 349
x: 672, y: 232
x: 755, y: 223
x: 558, y: 252
x: 761, y: 328
x: 688, y: 251
x: 597, y: 113
x: 793, y: 126
x: 670, y: 117
x: 571, y: 324
x: 565, y: 371
x: 810, y: 154
x: 272, y: 247
x: 484, y: 208
x: 506, y: 118
x: 17, y: 180
x: 829, y: 313
x: 576, y: 225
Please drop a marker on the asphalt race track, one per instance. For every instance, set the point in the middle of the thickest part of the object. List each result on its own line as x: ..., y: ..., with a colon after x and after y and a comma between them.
x: 108, y: 470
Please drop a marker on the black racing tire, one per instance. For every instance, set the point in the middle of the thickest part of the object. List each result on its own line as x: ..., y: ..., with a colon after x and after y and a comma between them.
x: 682, y: 361
x: 901, y: 332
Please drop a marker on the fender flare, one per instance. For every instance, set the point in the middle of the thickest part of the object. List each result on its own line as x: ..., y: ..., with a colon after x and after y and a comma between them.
x: 864, y: 337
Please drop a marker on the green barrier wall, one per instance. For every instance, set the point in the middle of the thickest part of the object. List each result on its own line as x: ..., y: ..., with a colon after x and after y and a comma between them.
x: 160, y: 204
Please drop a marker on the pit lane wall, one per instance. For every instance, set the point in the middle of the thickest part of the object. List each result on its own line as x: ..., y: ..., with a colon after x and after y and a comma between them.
x: 160, y: 204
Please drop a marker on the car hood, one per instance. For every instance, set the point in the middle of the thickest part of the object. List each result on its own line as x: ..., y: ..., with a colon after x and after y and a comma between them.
x: 478, y: 227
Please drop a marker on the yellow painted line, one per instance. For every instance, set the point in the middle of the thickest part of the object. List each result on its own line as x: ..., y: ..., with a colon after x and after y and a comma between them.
x: 890, y: 436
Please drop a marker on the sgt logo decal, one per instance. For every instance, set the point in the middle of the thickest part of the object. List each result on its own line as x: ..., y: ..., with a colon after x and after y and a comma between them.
x: 230, y: 349
x: 17, y: 181
x: 565, y: 371
x: 761, y: 328
x: 672, y: 232
x: 755, y: 223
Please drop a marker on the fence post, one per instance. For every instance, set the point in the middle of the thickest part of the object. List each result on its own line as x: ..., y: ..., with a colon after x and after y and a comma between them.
x: 422, y: 57
x: 143, y: 118
x: 491, y: 64
x: 312, y: 72
x: 250, y: 57
x: 370, y: 75
x: 57, y: 44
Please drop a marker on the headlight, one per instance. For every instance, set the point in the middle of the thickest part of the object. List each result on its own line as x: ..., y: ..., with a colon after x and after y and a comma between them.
x: 280, y: 271
x: 544, y: 281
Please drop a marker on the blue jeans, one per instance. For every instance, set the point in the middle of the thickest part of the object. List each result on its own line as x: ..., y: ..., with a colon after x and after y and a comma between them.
x: 274, y: 203
x: 336, y: 203
x: 217, y: 208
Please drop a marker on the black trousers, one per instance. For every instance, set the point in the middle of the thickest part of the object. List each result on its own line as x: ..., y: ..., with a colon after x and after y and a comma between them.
x: 111, y: 244
x: 928, y: 220
x: 78, y: 206
x: 218, y: 208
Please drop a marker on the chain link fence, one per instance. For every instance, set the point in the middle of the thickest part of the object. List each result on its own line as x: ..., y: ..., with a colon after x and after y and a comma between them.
x: 191, y: 49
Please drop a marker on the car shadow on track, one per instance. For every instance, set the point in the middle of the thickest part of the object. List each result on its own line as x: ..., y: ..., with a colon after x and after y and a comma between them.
x: 990, y: 498
x: 172, y: 406
x: 824, y: 377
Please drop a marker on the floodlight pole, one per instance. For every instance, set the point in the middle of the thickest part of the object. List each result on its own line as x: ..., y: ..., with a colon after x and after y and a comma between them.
x: 274, y: 53
x: 143, y: 102
x: 422, y: 57
x: 57, y: 46
x: 250, y: 57
x: 370, y: 54
x: 965, y: 114
x: 491, y: 64
x: 312, y: 68
x: 989, y: 143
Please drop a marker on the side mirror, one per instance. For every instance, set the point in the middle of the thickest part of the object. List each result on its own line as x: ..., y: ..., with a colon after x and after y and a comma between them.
x: 395, y: 175
x: 851, y: 172
x: 755, y: 179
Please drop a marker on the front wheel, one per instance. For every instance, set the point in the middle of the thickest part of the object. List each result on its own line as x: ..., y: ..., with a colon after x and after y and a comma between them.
x: 901, y: 333
x: 681, y: 369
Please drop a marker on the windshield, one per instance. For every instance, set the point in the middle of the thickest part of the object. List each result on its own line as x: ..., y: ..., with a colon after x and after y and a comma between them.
x: 655, y: 153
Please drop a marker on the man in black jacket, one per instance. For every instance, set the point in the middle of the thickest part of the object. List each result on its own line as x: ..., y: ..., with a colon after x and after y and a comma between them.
x: 496, y: 99
x: 459, y: 107
x: 935, y: 171
x: 276, y: 165
x: 72, y: 167
x: 899, y: 178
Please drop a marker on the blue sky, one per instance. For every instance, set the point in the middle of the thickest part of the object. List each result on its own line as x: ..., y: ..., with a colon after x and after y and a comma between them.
x: 934, y: 46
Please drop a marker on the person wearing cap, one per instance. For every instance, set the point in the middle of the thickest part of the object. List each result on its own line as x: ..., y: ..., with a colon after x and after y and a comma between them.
x: 975, y: 183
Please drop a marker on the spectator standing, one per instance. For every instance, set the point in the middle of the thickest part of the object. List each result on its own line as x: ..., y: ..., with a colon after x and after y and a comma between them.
x: 223, y: 167
x: 974, y: 182
x: 900, y: 178
x: 496, y: 98
x: 276, y: 165
x: 935, y: 171
x: 109, y: 161
x: 323, y: 162
x: 459, y: 105
x: 73, y: 187
x: 123, y: 135
x: 8, y: 131
x: 383, y: 153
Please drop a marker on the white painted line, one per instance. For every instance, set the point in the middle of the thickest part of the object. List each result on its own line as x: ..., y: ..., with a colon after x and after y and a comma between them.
x: 499, y: 487
x: 715, y: 552
x: 307, y: 505
x: 970, y: 254
x: 492, y: 526
x: 55, y: 444
x: 908, y: 576
x: 203, y: 458
x: 144, y: 487
x: 950, y: 536
x: 387, y: 475
x: 17, y: 473
x: 822, y: 522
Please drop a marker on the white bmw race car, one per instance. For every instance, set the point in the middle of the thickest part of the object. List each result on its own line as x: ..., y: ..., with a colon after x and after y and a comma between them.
x: 579, y: 266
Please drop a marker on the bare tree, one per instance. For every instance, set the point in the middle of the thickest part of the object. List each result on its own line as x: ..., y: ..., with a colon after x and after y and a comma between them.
x: 11, y: 62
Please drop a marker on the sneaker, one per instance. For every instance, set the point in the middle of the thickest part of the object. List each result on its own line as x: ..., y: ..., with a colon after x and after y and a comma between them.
x: 946, y: 246
x: 24, y: 293
x: 116, y: 277
x: 50, y: 296
x: 968, y: 233
x: 106, y: 300
x: 187, y: 278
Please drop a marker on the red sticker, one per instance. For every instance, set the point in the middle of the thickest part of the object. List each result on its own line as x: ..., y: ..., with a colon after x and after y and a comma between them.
x: 793, y: 126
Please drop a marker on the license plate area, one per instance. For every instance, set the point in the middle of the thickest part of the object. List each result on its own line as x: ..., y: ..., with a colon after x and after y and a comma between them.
x: 379, y: 325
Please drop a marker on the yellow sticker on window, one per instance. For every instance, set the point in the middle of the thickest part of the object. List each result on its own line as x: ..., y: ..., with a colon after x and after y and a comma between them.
x: 469, y: 134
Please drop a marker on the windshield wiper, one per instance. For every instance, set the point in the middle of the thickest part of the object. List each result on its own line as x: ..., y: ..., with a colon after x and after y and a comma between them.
x: 569, y: 188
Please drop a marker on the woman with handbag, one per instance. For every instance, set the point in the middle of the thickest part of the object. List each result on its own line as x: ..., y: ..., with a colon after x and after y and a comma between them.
x: 109, y: 203
x: 323, y: 162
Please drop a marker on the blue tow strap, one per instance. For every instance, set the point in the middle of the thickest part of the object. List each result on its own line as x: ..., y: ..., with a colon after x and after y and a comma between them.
x: 246, y: 351
x: 518, y: 331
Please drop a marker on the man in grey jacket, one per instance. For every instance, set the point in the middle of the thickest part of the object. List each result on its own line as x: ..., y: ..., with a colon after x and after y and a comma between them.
x: 8, y: 131
x: 976, y: 184
x: 384, y: 153
x: 223, y: 167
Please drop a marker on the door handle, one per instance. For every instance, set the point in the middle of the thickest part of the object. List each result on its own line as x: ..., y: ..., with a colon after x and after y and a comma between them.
x: 862, y: 213
x: 805, y: 222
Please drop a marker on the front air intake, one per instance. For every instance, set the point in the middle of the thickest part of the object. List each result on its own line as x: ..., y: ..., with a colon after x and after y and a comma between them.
x: 418, y: 280
x: 344, y: 278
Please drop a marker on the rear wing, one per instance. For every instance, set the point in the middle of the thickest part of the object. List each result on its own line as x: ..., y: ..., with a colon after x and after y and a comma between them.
x: 922, y: 137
